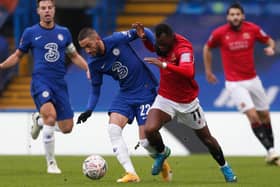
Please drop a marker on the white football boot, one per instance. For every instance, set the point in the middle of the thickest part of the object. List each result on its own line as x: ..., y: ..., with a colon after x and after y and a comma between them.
x: 35, y: 129
x: 52, y: 168
x: 272, y: 158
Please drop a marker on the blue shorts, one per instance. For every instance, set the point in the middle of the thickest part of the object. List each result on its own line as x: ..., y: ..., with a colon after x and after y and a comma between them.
x: 133, y: 106
x: 44, y: 91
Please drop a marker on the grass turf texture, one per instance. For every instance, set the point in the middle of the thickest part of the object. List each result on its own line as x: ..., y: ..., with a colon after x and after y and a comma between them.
x: 194, y: 171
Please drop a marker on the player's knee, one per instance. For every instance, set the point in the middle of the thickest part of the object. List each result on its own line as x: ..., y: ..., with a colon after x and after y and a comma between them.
x: 50, y: 119
x: 66, y: 126
x: 67, y: 129
x: 149, y: 130
x: 255, y: 120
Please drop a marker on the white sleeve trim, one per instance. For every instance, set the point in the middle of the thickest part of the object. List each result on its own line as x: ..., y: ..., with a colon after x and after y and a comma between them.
x: 70, y: 48
x: 186, y: 57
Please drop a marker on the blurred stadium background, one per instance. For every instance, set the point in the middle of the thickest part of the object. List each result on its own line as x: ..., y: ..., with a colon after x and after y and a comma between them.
x: 194, y: 19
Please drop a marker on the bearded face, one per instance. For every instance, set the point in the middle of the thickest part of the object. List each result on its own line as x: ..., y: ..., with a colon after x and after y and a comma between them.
x: 164, y: 44
x: 235, y: 18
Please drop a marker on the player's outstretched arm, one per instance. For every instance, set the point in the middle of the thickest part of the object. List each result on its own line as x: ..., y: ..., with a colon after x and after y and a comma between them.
x: 146, y: 35
x: 155, y: 61
x: 12, y: 60
x: 143, y: 33
x: 78, y: 60
x: 92, y: 101
x: 185, y: 69
x: 207, y: 59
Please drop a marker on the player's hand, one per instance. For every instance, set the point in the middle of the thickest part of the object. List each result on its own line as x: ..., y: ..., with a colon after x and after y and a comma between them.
x: 139, y: 29
x: 84, y: 116
x: 269, y: 51
x: 154, y: 61
x: 1, y: 66
x: 211, y: 78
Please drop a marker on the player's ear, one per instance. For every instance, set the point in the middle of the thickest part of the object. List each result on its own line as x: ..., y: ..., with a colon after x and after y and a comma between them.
x: 98, y: 38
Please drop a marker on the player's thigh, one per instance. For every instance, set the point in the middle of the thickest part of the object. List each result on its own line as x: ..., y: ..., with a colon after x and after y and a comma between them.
x: 43, y: 98
x: 194, y: 119
x: 47, y: 109
x: 258, y: 95
x: 120, y: 112
x: 64, y: 111
x: 240, y: 95
x: 141, y: 111
x: 165, y: 105
x: 156, y: 119
x: 161, y: 112
x: 48, y: 113
x: 62, y: 105
x: 41, y: 93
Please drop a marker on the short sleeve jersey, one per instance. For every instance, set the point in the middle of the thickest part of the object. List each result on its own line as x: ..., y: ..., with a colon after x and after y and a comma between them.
x: 48, y: 50
x: 237, y: 49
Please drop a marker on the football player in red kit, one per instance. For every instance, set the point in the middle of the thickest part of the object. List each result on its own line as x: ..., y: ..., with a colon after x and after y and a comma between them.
x: 177, y: 96
x: 236, y: 40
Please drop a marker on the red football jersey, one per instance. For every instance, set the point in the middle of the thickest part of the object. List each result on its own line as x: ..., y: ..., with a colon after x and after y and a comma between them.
x: 177, y: 79
x: 237, y: 49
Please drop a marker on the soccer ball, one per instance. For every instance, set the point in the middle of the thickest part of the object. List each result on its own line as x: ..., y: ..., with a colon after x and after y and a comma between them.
x: 94, y: 167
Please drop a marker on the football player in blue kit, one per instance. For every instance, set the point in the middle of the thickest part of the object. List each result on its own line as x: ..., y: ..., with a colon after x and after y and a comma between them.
x: 49, y: 43
x: 114, y: 56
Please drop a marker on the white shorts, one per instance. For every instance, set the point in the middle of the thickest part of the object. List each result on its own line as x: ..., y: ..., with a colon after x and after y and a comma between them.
x: 248, y: 94
x: 190, y: 114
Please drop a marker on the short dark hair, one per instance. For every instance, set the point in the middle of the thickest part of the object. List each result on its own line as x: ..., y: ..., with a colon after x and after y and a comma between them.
x: 236, y: 5
x: 38, y: 1
x: 163, y: 28
x: 86, y: 32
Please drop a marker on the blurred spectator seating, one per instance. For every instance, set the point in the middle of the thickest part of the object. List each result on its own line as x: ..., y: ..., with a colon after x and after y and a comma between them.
x: 257, y: 7
x: 5, y: 75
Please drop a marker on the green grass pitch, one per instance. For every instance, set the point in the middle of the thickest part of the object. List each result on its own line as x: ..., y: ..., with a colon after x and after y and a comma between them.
x: 193, y: 171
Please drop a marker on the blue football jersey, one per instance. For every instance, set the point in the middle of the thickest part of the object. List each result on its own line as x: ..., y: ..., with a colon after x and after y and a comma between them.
x: 48, y: 47
x: 121, y: 62
x: 48, y: 50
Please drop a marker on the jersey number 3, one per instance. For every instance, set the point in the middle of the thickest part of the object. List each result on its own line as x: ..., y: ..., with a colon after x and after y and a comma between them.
x: 53, y: 54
